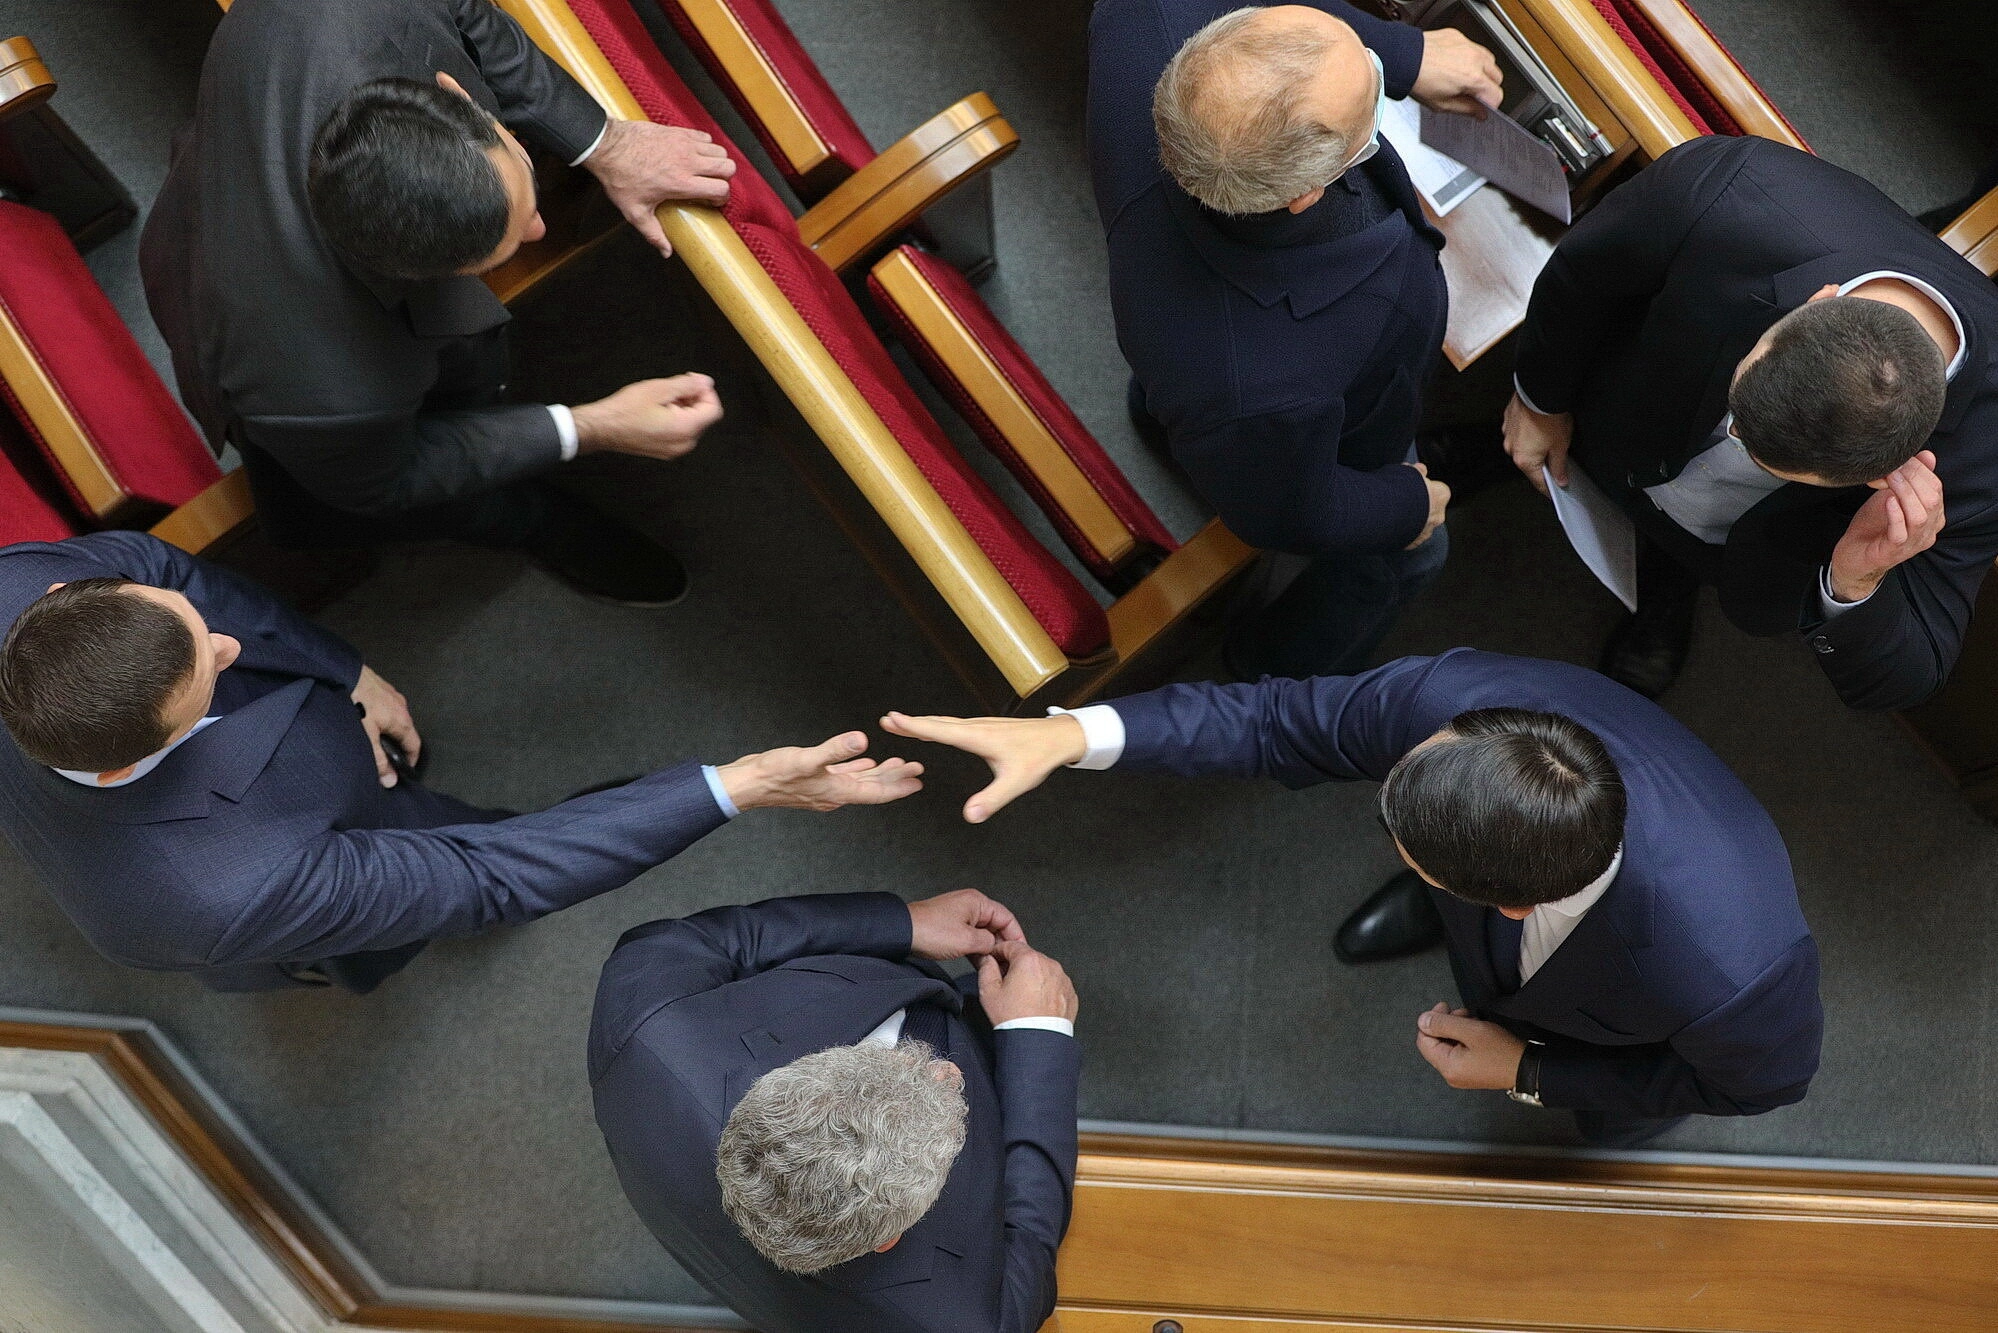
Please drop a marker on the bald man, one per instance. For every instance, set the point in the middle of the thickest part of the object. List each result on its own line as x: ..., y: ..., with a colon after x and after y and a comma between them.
x: 1277, y: 290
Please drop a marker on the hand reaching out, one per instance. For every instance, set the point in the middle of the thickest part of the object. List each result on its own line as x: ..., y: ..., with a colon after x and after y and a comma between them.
x: 1021, y: 750
x: 1457, y: 74
x: 660, y: 419
x: 819, y: 777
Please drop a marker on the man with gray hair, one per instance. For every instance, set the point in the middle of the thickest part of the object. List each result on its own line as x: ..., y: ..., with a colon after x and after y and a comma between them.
x: 825, y: 1130
x: 1277, y: 291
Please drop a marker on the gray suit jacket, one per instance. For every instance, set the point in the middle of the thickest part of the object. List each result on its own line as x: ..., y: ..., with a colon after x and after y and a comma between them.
x: 373, y: 394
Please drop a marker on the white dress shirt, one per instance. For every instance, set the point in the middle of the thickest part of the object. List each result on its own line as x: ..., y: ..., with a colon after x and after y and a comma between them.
x: 1551, y: 923
x: 143, y: 767
x: 890, y: 1030
x: 1722, y: 483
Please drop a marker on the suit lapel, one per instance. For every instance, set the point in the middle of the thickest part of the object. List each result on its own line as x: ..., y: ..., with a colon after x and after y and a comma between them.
x: 1592, y: 969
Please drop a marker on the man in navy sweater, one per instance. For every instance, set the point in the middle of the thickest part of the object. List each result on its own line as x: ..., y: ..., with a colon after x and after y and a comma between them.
x: 1619, y: 909
x: 1277, y: 290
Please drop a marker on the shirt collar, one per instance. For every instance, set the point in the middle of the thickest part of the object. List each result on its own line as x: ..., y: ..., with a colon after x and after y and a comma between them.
x: 1575, y: 904
x: 140, y: 769
x: 1962, y: 338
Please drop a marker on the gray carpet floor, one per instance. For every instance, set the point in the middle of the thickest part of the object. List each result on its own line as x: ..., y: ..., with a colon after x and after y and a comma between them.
x: 444, y: 1122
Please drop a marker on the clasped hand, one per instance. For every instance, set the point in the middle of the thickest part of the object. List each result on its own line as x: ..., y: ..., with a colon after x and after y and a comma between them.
x: 1468, y: 1052
x: 1015, y: 980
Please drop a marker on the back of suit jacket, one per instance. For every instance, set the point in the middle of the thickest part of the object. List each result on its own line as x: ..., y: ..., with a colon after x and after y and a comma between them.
x: 357, y: 385
x: 691, y: 1012
x: 267, y: 837
x: 1287, y: 369
x: 1692, y: 984
x: 1637, y: 324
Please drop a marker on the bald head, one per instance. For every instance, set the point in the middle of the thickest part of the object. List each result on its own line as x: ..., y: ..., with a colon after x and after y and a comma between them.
x: 1263, y: 107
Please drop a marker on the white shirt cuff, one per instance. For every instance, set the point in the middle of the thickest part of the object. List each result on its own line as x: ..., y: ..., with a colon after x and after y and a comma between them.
x: 595, y: 144
x: 1830, y: 602
x: 1520, y: 390
x: 1048, y: 1024
x: 1102, y: 734
x: 565, y: 429
x: 720, y: 792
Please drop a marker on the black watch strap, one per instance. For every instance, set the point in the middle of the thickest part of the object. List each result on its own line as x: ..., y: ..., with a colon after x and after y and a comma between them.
x: 1526, y: 1083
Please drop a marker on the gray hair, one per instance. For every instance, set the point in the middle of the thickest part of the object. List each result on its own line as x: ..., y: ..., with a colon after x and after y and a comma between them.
x: 840, y: 1152
x: 1229, y: 110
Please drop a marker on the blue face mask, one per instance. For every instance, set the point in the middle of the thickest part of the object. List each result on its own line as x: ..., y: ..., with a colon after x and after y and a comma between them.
x: 1373, y: 144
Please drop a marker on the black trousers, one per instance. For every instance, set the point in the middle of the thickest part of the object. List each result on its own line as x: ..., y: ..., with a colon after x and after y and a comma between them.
x: 292, y: 517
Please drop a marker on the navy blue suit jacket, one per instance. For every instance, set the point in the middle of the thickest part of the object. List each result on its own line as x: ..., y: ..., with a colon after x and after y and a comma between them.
x: 1288, y: 379
x: 266, y: 837
x: 1691, y: 985
x: 691, y: 1012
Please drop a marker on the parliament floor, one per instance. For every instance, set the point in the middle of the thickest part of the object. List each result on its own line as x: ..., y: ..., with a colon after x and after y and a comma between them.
x: 444, y: 1122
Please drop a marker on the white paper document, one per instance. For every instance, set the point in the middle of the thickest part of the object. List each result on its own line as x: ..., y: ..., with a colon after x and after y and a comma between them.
x: 1442, y: 181
x: 1601, y: 533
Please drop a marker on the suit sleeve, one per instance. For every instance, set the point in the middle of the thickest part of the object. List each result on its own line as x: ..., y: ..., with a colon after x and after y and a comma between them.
x: 1899, y: 646
x: 364, y: 889
x: 1754, y: 1053
x: 1610, y: 264
x: 1276, y: 481
x: 1299, y: 732
x: 1038, y: 1078
x: 538, y: 100
x: 401, y: 458
x: 227, y: 599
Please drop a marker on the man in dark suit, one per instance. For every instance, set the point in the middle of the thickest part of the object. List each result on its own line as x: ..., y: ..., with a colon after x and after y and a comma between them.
x: 312, y: 261
x: 1619, y: 909
x: 204, y: 780
x: 1789, y: 386
x: 1277, y: 291
x: 829, y: 1134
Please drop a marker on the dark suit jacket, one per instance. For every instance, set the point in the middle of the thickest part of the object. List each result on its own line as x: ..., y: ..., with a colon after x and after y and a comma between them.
x: 1691, y: 985
x: 1636, y: 326
x: 1288, y: 377
x: 691, y: 1012
x: 375, y: 395
x: 267, y: 838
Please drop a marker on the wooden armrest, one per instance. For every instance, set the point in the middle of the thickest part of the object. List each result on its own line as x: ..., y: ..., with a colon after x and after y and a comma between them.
x: 1718, y: 71
x: 1001, y: 401
x: 1614, y: 72
x: 25, y: 82
x: 1975, y: 234
x: 886, y: 476
x: 49, y: 411
x: 806, y: 153
x: 870, y: 207
x: 210, y: 516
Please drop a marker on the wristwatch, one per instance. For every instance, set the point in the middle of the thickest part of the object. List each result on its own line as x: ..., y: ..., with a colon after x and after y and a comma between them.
x: 1525, y: 1087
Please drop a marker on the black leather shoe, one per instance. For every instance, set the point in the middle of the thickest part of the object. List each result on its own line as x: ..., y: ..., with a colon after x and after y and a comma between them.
x: 1467, y: 458
x: 603, y: 557
x: 1648, y: 650
x: 1397, y: 920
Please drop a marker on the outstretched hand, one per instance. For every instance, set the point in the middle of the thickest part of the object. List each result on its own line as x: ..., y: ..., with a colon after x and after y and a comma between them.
x: 1457, y: 75
x: 819, y: 777
x: 1022, y: 751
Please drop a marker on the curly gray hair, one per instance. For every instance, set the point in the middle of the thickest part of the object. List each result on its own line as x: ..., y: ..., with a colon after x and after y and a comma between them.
x: 839, y: 1152
x: 1231, y: 119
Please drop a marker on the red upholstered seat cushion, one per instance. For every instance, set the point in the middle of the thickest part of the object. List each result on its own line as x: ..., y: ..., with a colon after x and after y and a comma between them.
x: 32, y: 505
x: 137, y: 428
x: 1613, y: 12
x: 1643, y: 36
x: 667, y: 100
x: 1055, y: 596
x: 1053, y: 410
x: 800, y: 76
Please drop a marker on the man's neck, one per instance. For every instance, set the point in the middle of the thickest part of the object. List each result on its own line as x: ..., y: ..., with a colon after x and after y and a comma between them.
x: 1935, y: 321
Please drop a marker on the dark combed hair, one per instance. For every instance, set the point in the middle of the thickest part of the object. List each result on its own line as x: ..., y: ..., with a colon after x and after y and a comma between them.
x: 1849, y: 390
x: 86, y: 674
x: 400, y: 181
x: 1511, y: 808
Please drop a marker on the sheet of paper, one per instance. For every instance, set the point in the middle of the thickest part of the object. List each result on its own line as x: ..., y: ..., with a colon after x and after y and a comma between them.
x: 1441, y: 180
x: 1507, y: 153
x: 1601, y: 533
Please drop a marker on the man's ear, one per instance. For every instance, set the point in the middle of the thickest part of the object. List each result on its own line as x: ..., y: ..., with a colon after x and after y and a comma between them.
x: 227, y: 650
x: 887, y: 1246
x: 1823, y: 293
x: 451, y: 85
x: 1304, y: 201
x: 53, y: 586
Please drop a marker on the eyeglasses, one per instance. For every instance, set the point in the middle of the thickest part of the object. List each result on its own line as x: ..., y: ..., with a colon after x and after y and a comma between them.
x: 1373, y: 143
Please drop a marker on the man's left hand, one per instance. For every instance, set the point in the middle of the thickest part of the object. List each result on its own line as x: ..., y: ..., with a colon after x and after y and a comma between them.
x: 1468, y: 1052
x: 819, y: 777
x: 1898, y: 522
x: 1457, y: 75
x: 959, y: 925
x: 642, y: 165
x: 384, y: 712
